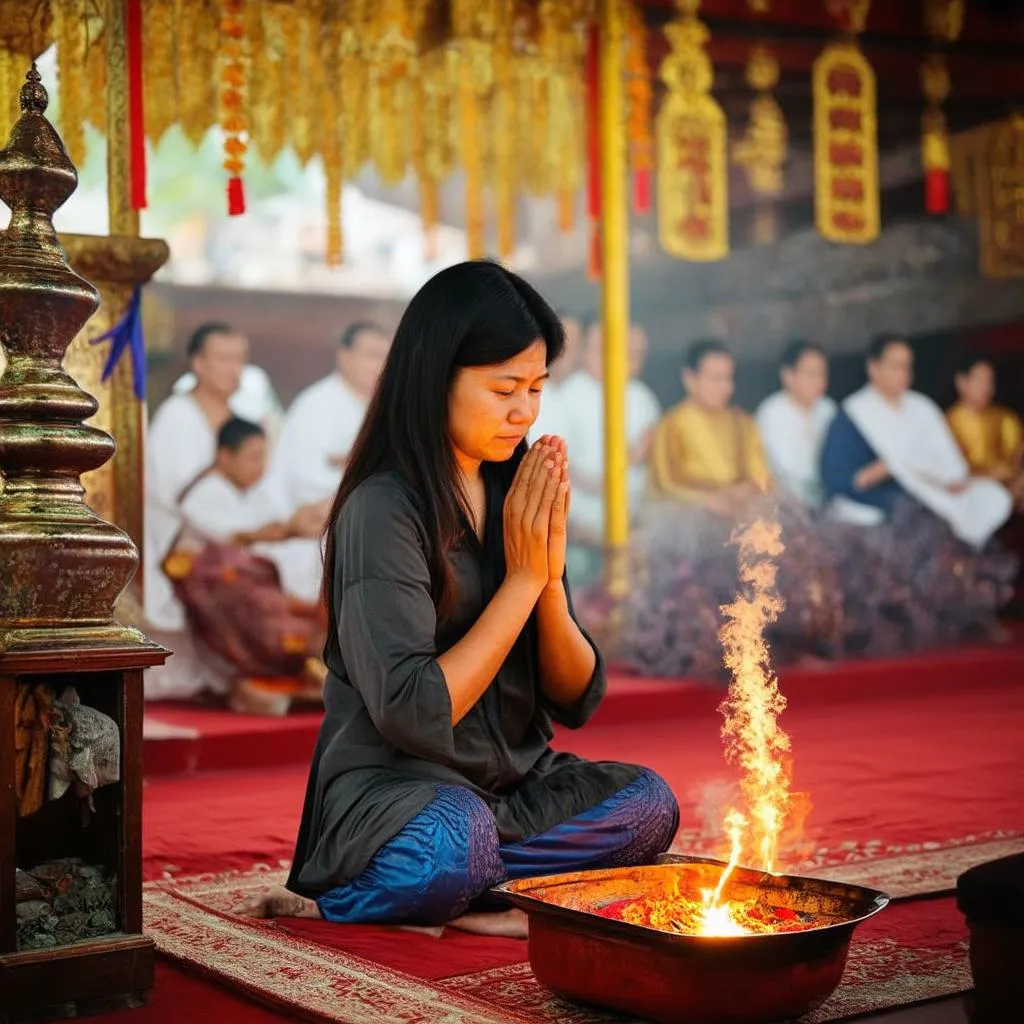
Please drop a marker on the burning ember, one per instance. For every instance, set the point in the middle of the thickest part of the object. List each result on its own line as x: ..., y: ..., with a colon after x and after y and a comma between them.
x: 753, y: 741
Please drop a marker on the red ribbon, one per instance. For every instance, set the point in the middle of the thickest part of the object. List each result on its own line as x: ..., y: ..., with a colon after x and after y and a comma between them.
x: 936, y: 191
x: 136, y: 116
x: 236, y: 197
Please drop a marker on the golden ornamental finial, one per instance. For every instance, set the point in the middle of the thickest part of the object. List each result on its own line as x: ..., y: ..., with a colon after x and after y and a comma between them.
x: 33, y: 96
x: 63, y: 565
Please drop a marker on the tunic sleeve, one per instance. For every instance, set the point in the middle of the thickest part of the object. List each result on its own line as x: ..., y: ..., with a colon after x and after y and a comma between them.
x: 577, y: 714
x: 387, y: 620
x: 667, y: 462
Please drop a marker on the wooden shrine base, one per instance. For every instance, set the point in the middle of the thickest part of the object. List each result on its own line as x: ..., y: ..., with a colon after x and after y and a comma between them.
x: 91, y: 977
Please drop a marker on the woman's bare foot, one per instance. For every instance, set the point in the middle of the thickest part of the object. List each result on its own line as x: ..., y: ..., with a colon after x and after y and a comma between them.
x: 509, y: 924
x: 278, y: 902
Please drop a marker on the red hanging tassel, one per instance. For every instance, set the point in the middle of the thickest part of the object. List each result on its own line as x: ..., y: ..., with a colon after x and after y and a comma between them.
x: 936, y: 191
x: 642, y: 190
x: 595, y: 262
x: 236, y: 197
x: 136, y: 116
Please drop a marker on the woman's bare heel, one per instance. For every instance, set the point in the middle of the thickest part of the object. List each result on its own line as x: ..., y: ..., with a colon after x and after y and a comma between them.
x: 278, y: 902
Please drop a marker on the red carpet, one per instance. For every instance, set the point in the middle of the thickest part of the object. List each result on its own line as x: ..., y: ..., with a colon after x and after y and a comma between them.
x: 896, y: 755
x: 899, y: 760
x: 186, y: 739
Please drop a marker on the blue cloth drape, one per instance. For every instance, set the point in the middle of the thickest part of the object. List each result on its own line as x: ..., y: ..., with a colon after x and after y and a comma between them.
x: 126, y: 335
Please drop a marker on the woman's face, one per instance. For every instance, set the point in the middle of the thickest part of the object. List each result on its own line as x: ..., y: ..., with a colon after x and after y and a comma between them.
x: 490, y: 408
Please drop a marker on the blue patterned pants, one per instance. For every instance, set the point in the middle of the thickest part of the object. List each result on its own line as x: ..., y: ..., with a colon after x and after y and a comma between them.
x: 450, y: 854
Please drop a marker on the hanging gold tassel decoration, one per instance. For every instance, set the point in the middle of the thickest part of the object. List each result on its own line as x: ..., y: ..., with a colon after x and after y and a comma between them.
x: 69, y: 30
x: 693, y: 208
x: 233, y: 98
x: 330, y: 138
x: 198, y: 101
x: 763, y: 149
x: 474, y: 25
x: 504, y: 165
x: 562, y: 43
x: 846, y: 189
x: 96, y: 81
x: 353, y: 84
x: 10, y: 85
x: 435, y: 141
x: 392, y: 56
x: 943, y: 21
x: 639, y: 98
x: 159, y: 89
x: 934, y: 136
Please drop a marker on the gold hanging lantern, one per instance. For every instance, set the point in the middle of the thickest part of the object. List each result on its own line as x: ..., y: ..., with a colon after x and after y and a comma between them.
x: 846, y: 135
x: 1001, y: 201
x: 693, y: 211
x: 763, y: 149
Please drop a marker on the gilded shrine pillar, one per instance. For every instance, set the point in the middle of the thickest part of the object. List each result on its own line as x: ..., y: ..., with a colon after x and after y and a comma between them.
x: 116, y: 265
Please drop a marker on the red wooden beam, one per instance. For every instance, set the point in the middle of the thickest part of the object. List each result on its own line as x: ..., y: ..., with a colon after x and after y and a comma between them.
x: 898, y: 73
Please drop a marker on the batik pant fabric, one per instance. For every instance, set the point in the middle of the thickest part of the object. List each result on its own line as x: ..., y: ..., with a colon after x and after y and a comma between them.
x: 450, y: 854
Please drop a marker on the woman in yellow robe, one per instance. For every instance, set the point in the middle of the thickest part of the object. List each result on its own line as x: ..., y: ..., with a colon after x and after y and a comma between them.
x: 705, y: 451
x: 990, y: 436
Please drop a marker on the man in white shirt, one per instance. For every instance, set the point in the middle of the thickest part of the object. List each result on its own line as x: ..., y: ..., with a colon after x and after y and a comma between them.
x: 889, y: 442
x: 255, y: 400
x: 319, y: 430
x: 181, y: 444
x: 582, y: 406
x: 321, y: 425
x: 793, y: 423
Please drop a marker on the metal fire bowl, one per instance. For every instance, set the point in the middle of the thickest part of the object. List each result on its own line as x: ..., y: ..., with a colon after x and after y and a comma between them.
x: 688, y: 979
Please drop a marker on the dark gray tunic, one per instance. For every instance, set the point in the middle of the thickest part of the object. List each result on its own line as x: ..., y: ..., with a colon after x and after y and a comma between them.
x: 387, y: 742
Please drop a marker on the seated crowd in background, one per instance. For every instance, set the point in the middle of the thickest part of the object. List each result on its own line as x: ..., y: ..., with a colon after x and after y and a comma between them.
x: 233, y: 534
x: 888, y: 508
x: 889, y: 532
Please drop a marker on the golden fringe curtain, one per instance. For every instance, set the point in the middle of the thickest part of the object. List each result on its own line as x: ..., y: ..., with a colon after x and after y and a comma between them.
x: 491, y: 87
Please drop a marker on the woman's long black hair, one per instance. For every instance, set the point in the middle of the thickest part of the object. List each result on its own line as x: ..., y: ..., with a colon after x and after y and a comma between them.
x: 472, y: 314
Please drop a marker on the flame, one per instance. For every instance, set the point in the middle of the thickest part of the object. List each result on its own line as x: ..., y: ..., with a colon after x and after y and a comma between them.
x: 751, y: 732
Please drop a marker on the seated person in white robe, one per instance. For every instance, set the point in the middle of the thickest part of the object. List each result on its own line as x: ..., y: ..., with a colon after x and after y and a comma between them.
x: 793, y: 423
x: 181, y: 443
x: 889, y: 443
x: 223, y: 572
x: 319, y: 430
x: 581, y: 400
x: 255, y: 400
x: 550, y: 418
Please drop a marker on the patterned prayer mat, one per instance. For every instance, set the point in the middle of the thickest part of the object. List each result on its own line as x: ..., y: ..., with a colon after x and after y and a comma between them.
x: 911, y: 952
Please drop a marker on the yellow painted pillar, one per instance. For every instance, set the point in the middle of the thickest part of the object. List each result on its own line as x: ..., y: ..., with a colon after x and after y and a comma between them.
x: 615, y: 285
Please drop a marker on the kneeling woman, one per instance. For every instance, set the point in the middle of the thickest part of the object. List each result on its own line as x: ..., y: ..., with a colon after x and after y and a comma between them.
x: 454, y: 645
